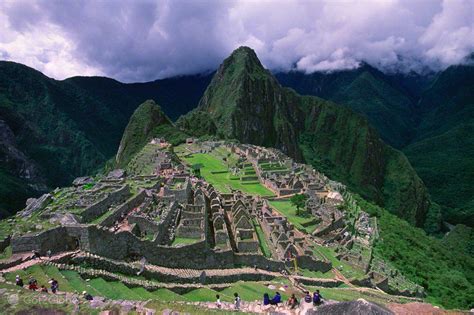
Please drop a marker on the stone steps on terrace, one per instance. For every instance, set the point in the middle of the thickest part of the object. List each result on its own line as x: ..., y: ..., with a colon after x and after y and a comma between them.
x: 193, y: 275
x: 134, y: 282
x: 184, y: 273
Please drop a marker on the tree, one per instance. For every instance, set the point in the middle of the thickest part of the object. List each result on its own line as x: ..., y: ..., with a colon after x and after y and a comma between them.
x: 298, y: 200
x: 196, y: 168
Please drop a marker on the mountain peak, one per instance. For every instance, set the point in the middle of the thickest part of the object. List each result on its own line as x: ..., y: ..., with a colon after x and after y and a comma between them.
x: 243, y: 60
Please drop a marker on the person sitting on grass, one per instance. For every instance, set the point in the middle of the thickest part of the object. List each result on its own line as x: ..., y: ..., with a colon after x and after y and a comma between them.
x: 33, y: 284
x: 293, y: 302
x: 18, y: 281
x: 317, y: 298
x: 87, y: 296
x: 307, y: 297
x: 54, y: 285
x: 266, y: 299
x: 276, y: 299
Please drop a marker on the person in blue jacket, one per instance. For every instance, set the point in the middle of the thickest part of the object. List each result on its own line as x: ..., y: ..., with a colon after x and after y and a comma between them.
x: 266, y: 299
x: 276, y: 299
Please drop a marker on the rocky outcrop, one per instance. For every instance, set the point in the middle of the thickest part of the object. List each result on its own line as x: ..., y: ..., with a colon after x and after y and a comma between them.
x: 33, y: 204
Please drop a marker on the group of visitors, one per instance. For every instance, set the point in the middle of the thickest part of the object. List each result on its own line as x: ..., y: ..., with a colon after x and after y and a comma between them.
x: 236, y: 301
x: 272, y: 301
x: 292, y: 303
x: 33, y: 284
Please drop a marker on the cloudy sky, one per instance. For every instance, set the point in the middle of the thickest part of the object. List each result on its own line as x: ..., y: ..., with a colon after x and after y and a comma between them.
x: 141, y: 40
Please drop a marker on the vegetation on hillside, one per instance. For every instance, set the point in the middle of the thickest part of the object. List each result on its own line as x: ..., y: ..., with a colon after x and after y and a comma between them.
x: 445, y: 271
x: 430, y: 117
x: 147, y: 122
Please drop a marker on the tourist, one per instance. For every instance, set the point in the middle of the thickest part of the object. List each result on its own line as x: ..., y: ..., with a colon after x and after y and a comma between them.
x: 18, y: 281
x: 237, y: 301
x: 266, y: 299
x: 317, y: 298
x: 218, y: 301
x: 36, y: 254
x: 44, y: 289
x: 307, y: 297
x: 276, y: 299
x: 32, y: 284
x: 48, y: 253
x: 54, y: 285
x: 293, y: 302
x: 87, y: 296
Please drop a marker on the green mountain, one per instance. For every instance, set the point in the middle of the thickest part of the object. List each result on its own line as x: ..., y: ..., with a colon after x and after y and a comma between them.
x: 245, y: 102
x: 429, y: 117
x: 443, y: 149
x: 147, y: 122
x: 53, y: 131
x: 366, y: 90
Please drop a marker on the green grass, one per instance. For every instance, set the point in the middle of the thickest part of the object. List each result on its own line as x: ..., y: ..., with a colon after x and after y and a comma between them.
x: 205, y: 294
x: 305, y: 224
x: 262, y: 240
x: 222, y: 181
x: 7, y: 253
x: 53, y: 272
x: 77, y: 283
x: 184, y: 241
x: 316, y: 274
x: 347, y: 270
x: 251, y: 291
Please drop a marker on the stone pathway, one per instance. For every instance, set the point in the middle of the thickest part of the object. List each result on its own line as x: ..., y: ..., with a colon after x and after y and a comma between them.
x: 257, y: 307
x: 31, y: 262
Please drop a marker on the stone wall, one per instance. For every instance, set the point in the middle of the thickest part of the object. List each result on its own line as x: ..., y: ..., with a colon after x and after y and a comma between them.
x: 248, y: 246
x: 259, y: 261
x: 100, y: 207
x: 144, y: 224
x: 165, y: 220
x: 308, y: 262
x: 124, y: 208
x: 5, y: 243
x: 56, y: 240
x: 337, y: 224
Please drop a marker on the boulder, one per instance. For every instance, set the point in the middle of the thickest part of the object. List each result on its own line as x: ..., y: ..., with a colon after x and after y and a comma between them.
x: 80, y: 181
x: 116, y: 174
x: 65, y: 218
x: 36, y: 204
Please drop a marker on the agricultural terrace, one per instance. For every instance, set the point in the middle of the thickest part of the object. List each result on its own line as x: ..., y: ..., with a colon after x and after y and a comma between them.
x: 216, y: 171
x: 303, y: 223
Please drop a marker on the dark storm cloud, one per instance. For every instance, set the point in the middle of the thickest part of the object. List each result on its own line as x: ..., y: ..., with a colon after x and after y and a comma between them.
x: 144, y: 40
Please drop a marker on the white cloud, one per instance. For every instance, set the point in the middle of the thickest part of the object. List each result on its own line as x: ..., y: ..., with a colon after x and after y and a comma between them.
x: 144, y: 40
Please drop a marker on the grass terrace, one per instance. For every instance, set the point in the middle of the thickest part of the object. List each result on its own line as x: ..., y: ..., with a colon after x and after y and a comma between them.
x: 346, y: 269
x: 184, y: 241
x: 286, y: 208
x: 216, y: 172
x: 262, y: 239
